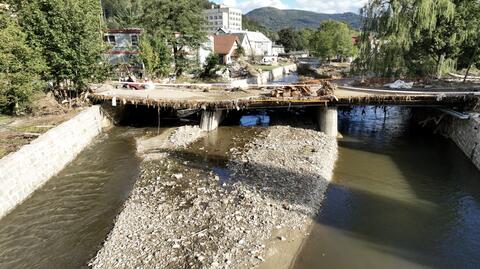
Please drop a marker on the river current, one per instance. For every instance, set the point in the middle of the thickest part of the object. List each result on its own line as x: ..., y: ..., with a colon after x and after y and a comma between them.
x: 401, y: 198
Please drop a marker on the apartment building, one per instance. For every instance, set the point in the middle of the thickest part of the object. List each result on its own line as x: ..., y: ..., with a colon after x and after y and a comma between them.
x: 223, y: 17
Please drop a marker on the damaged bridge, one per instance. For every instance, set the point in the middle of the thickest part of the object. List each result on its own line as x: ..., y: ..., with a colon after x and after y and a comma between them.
x: 214, y: 99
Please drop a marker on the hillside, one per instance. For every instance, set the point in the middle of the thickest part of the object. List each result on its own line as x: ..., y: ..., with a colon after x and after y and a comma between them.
x: 276, y: 19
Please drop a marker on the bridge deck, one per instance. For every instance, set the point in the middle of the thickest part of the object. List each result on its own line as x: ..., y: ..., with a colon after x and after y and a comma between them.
x: 215, y: 97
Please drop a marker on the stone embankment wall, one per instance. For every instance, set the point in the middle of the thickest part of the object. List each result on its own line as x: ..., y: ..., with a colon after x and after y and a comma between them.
x: 24, y: 171
x: 266, y: 76
x: 466, y: 134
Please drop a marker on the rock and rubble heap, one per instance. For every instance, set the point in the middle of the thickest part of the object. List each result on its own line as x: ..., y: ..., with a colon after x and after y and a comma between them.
x: 185, y: 135
x: 183, y: 215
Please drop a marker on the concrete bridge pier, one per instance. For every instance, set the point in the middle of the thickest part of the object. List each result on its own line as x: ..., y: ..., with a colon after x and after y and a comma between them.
x: 211, y: 120
x: 328, y: 120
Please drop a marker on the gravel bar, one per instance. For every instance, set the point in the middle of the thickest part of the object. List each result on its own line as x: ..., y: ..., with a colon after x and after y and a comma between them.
x: 182, y: 215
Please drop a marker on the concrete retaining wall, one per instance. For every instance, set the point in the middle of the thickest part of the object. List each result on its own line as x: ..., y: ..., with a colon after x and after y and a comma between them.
x: 466, y: 134
x: 266, y: 76
x: 26, y: 170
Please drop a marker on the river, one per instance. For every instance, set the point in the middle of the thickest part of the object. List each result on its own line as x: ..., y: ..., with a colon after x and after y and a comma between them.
x: 64, y: 223
x: 401, y: 198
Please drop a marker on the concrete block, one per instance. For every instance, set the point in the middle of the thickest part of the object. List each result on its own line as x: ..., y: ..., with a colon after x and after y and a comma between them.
x: 211, y: 120
x: 328, y: 120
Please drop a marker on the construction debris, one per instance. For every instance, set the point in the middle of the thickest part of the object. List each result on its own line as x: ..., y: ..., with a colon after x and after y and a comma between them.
x: 292, y: 91
x: 327, y: 89
x: 400, y: 84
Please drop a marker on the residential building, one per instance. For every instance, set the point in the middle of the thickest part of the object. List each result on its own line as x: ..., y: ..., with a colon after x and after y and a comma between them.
x: 254, y: 43
x: 220, y: 16
x: 277, y: 50
x: 225, y: 47
x: 124, y: 44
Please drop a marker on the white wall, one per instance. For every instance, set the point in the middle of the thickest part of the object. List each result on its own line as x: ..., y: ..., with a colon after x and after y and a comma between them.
x: 26, y: 170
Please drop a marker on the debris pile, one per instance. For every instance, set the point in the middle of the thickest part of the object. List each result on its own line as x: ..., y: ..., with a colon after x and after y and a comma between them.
x: 328, y: 89
x: 185, y: 135
x: 292, y: 91
x: 242, y: 69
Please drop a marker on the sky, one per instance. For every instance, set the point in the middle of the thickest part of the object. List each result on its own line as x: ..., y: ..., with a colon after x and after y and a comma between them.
x: 322, y: 6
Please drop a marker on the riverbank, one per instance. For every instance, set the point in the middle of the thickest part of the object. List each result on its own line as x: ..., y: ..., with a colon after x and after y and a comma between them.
x: 465, y: 134
x: 265, y: 77
x: 32, y: 165
x: 183, y: 214
x: 64, y: 223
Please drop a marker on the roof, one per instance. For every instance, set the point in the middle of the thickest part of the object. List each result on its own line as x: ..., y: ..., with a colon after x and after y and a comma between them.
x: 124, y: 31
x: 224, y: 43
x: 252, y: 36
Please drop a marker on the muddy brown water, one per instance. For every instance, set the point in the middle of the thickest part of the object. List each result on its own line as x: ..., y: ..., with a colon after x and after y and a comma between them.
x: 400, y: 199
x: 64, y: 223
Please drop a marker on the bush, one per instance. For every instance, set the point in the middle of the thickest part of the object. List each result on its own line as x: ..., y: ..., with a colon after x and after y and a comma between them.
x: 210, y: 67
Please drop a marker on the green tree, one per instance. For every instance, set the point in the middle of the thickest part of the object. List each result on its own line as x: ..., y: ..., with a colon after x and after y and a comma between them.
x: 393, y: 29
x: 122, y: 13
x: 179, y: 23
x: 332, y: 39
x: 240, y: 52
x: 69, y: 35
x: 211, y: 66
x: 155, y: 56
x: 305, y: 36
x: 289, y: 39
x: 20, y: 67
x: 468, y: 13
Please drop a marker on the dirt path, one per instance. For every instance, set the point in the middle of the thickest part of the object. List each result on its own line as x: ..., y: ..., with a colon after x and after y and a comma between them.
x: 16, y: 132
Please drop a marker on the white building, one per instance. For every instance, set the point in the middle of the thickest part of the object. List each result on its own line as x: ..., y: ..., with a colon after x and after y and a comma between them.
x: 254, y: 43
x: 220, y: 16
x: 124, y: 44
x: 205, y: 49
x: 277, y: 50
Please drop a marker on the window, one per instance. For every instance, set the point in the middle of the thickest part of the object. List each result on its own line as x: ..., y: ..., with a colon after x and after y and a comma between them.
x: 110, y: 39
x: 134, y: 40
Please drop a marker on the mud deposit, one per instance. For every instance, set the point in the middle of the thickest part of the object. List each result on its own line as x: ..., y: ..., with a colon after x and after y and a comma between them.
x: 217, y: 202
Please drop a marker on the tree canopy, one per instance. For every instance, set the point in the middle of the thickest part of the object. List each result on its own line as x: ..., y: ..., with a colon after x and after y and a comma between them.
x: 179, y: 23
x: 20, y: 66
x: 332, y: 39
x: 69, y: 36
x: 290, y: 39
x: 48, y: 41
x: 420, y: 37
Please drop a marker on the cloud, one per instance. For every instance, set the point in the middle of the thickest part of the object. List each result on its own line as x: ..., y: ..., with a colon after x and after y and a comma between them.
x: 322, y: 6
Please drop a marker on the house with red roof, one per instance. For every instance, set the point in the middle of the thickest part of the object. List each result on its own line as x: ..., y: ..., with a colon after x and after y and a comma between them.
x: 225, y: 46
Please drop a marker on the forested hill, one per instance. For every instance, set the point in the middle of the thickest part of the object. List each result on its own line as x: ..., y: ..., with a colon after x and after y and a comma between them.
x: 277, y: 19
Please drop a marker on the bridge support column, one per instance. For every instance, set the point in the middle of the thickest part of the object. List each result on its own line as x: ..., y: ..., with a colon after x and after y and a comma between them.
x: 328, y: 120
x: 211, y: 120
